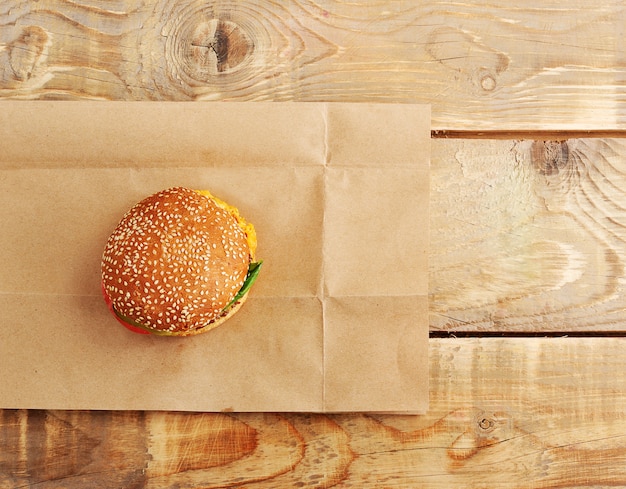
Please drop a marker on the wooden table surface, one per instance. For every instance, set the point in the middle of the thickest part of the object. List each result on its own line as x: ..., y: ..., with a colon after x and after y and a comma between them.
x: 528, y: 199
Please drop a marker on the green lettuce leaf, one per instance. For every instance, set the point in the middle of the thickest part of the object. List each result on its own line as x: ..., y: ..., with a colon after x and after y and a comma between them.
x: 253, y: 273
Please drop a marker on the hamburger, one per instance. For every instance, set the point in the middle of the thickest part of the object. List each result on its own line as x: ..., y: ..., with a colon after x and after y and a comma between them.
x: 179, y: 263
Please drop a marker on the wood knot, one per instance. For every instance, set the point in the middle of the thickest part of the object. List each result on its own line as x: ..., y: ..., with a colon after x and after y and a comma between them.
x: 487, y: 81
x: 203, y: 45
x: 486, y: 424
x: 26, y: 52
x: 549, y: 157
x: 468, y: 58
x: 217, y: 46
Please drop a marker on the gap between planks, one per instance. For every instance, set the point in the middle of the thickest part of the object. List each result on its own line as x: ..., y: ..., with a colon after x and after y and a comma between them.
x: 527, y: 334
x: 528, y: 135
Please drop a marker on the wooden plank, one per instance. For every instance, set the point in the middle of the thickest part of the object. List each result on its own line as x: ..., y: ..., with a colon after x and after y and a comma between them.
x: 528, y: 235
x: 536, y: 413
x: 484, y: 66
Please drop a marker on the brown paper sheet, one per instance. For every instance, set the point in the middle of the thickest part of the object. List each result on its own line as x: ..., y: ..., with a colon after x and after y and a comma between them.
x: 338, y: 319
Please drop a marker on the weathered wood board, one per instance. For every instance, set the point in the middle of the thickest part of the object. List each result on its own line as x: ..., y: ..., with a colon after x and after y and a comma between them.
x: 528, y: 235
x: 535, y: 413
x: 483, y: 65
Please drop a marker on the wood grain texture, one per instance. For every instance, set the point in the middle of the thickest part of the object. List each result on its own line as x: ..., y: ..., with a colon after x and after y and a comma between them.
x: 55, y: 449
x: 525, y: 413
x: 528, y: 235
x: 482, y: 65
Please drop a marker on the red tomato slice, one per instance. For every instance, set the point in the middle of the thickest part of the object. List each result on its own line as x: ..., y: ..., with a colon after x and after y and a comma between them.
x: 109, y: 303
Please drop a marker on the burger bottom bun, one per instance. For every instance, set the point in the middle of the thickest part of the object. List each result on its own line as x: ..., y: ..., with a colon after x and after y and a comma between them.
x: 214, y: 324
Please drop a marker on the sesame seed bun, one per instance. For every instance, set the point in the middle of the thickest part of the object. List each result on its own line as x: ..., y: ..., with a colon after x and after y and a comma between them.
x: 175, y: 261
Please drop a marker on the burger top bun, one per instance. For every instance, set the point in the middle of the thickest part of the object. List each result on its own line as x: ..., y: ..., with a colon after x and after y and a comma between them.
x: 175, y: 261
